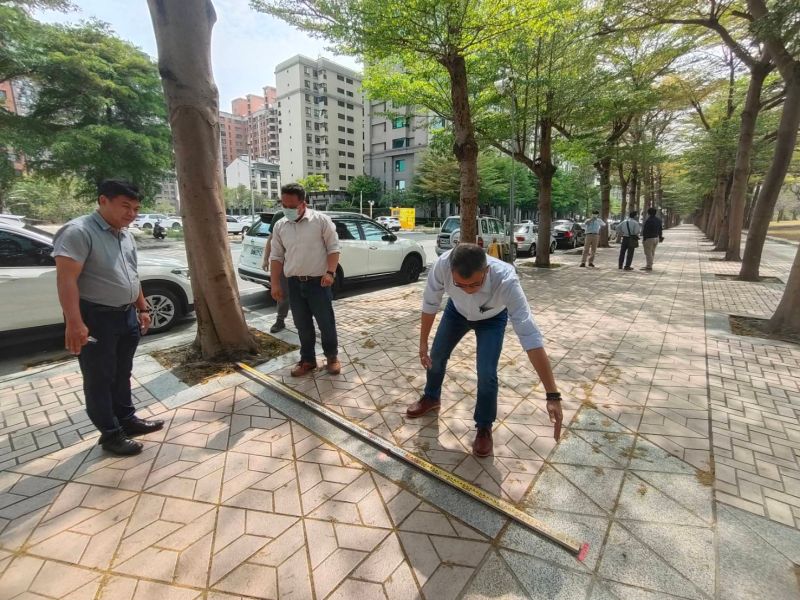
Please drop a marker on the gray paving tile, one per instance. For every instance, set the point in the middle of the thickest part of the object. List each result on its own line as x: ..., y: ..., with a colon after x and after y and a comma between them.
x: 600, y: 484
x: 554, y: 491
x: 593, y: 420
x: 581, y: 448
x: 649, y: 457
x: 749, y: 567
x: 786, y: 540
x: 544, y: 581
x: 494, y: 580
x: 626, y: 560
x: 608, y: 590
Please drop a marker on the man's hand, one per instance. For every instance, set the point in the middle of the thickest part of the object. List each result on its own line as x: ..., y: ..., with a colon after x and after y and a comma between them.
x: 277, y: 291
x: 144, y: 322
x: 76, y: 337
x: 556, y: 417
x: 424, y: 358
x: 327, y: 280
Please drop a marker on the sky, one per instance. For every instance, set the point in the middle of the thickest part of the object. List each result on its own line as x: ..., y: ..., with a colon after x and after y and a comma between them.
x: 246, y: 45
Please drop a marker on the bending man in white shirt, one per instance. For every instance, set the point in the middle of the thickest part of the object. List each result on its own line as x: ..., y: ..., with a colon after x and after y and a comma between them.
x: 485, y: 294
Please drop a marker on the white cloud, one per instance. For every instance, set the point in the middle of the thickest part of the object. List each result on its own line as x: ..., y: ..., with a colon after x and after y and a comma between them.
x: 245, y: 46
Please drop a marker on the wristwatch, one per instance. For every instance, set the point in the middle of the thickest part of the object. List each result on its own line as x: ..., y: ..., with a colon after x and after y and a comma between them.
x: 554, y: 396
x: 331, y: 273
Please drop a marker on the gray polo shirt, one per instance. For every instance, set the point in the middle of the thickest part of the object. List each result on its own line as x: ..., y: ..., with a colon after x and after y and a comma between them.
x: 109, y: 274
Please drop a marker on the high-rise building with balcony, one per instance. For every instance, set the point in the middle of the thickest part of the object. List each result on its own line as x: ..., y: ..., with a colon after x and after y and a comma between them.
x: 320, y: 120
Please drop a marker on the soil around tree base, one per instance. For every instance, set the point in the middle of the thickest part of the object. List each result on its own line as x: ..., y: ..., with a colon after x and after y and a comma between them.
x: 752, y: 327
x: 187, y: 363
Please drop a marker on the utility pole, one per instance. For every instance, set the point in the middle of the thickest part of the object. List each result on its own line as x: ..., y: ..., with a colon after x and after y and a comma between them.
x: 250, y: 177
x: 361, y: 203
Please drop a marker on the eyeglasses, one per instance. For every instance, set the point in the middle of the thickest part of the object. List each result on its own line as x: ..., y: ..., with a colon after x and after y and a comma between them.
x: 471, y: 286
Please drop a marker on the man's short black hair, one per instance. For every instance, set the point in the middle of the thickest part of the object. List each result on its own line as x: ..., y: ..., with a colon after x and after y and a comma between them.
x: 468, y: 259
x: 595, y: 212
x: 111, y: 188
x: 652, y: 211
x: 633, y: 214
x: 294, y: 189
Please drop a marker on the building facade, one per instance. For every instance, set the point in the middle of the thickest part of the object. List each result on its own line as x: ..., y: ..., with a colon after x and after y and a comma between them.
x: 232, y: 137
x: 396, y: 140
x: 320, y: 121
x: 168, y: 193
x: 260, y: 175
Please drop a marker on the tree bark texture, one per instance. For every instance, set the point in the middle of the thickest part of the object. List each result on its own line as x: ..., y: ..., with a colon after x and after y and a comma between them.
x: 603, y: 166
x: 634, y: 185
x: 544, y: 169
x: 744, y: 151
x: 183, y: 35
x: 623, y: 184
x: 465, y: 146
x: 751, y: 204
x: 722, y: 231
x: 773, y: 180
x: 787, y: 316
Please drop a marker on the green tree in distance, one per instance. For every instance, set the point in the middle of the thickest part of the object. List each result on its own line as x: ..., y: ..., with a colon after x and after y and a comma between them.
x: 370, y: 187
x: 314, y: 183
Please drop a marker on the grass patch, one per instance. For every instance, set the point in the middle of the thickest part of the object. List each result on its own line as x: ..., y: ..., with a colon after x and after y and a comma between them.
x: 736, y: 278
x: 787, y: 230
x: 188, y: 365
x: 752, y: 327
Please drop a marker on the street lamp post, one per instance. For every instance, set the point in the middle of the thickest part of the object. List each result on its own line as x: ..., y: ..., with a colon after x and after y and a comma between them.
x: 371, y: 202
x: 250, y: 178
x: 503, y: 86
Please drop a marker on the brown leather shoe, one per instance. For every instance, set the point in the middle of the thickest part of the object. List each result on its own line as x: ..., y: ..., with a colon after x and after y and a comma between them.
x: 333, y: 366
x: 423, y: 406
x: 303, y: 368
x: 482, y: 446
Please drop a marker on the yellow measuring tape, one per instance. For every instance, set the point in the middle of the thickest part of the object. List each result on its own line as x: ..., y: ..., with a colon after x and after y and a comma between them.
x: 501, y: 506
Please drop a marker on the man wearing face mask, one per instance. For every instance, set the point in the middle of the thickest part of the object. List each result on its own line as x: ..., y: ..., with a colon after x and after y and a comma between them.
x: 305, y: 247
x: 485, y: 294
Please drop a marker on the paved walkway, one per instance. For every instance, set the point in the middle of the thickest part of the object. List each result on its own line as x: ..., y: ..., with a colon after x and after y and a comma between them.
x: 681, y: 465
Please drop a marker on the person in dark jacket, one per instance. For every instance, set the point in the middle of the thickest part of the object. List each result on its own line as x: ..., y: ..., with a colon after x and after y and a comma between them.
x: 652, y: 235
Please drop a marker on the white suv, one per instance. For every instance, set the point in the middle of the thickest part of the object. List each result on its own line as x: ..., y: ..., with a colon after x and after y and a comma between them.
x: 147, y: 220
x: 368, y: 250
x: 391, y: 223
x: 30, y: 306
x: 489, y: 230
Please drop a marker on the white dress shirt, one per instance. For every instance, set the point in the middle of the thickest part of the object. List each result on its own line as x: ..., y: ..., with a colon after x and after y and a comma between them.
x: 500, y: 290
x: 303, y: 246
x: 629, y: 227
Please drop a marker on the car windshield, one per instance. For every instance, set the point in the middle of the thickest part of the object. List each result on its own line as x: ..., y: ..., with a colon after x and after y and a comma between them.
x: 38, y: 231
x: 562, y: 223
x: 522, y: 229
x: 259, y: 229
x: 450, y: 225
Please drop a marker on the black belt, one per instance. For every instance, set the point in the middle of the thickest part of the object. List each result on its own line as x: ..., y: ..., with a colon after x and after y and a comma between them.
x: 305, y: 277
x: 104, y: 308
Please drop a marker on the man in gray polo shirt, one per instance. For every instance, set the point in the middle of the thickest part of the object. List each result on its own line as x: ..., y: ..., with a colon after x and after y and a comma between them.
x: 105, y: 311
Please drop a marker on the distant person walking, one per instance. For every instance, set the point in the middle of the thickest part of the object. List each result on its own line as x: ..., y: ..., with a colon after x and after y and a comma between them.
x: 629, y: 229
x: 105, y: 311
x: 283, y: 305
x: 306, y: 248
x: 593, y: 227
x: 652, y: 235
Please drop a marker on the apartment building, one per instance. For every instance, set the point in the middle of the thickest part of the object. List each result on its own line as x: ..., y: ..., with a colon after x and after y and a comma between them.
x: 320, y: 120
x: 168, y: 192
x: 233, y: 136
x: 260, y: 175
x: 396, y: 140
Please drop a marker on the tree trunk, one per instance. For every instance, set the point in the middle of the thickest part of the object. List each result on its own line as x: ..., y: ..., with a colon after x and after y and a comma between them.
x: 634, y: 183
x: 659, y: 188
x: 183, y: 35
x: 465, y: 146
x: 603, y: 166
x: 705, y: 213
x: 787, y: 316
x: 623, y: 184
x: 741, y: 172
x: 544, y: 169
x: 773, y: 181
x: 722, y: 231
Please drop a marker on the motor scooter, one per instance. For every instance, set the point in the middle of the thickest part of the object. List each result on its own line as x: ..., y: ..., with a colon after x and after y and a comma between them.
x: 159, y: 232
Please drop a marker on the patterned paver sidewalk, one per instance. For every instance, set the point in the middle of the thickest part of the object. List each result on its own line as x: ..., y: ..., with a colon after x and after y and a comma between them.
x: 680, y: 466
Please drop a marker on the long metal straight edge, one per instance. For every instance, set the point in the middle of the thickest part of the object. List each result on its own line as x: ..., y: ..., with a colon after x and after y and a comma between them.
x: 579, y: 548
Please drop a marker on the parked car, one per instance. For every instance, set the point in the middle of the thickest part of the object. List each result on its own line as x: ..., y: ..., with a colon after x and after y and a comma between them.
x: 527, y: 235
x: 391, y: 223
x: 368, y: 250
x: 235, y: 226
x: 147, y: 220
x: 30, y: 306
x: 489, y: 230
x: 569, y: 234
x: 12, y: 219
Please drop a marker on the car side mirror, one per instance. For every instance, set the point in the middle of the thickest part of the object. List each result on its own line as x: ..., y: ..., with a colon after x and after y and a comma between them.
x: 389, y: 237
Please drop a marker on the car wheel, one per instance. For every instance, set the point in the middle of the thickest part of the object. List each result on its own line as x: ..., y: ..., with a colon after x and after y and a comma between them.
x: 176, y: 226
x: 552, y: 247
x: 147, y: 225
x: 532, y: 250
x: 165, y: 308
x: 412, y: 267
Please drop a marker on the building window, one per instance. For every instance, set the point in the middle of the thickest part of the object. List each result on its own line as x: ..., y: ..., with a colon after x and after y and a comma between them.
x: 342, y: 177
x: 350, y: 106
x: 310, y: 162
x: 349, y: 93
x: 351, y: 143
x: 349, y: 130
x: 340, y: 90
x: 342, y: 166
x: 340, y: 102
x: 398, y: 143
x: 399, y: 123
x: 307, y: 70
x: 307, y: 84
x: 351, y: 155
x: 308, y: 137
x: 399, y: 184
x: 351, y: 167
x: 349, y: 118
x: 309, y: 150
x: 319, y: 164
x: 308, y: 124
x: 340, y: 77
x: 400, y: 165
x: 341, y: 128
x: 348, y: 80
x: 340, y: 115
x: 341, y: 140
